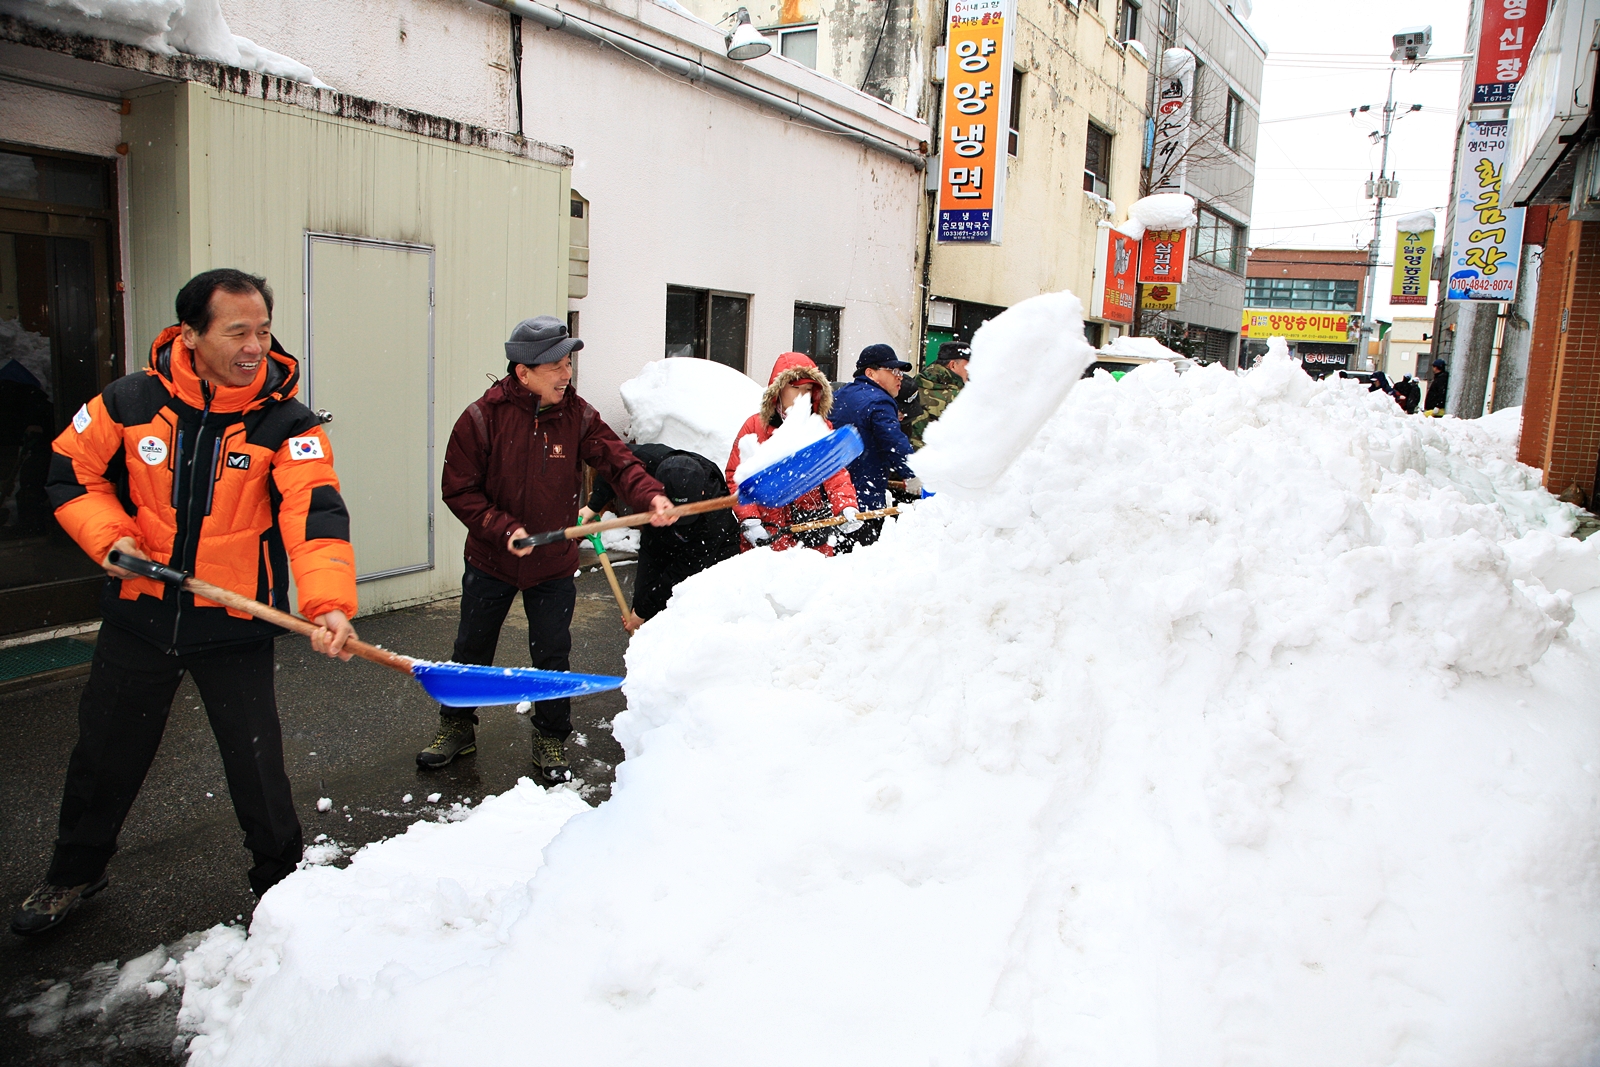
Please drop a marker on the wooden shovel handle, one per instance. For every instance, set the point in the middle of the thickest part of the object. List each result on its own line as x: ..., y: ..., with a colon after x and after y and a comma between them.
x: 840, y: 520
x: 616, y: 587
x: 572, y: 533
x: 228, y: 598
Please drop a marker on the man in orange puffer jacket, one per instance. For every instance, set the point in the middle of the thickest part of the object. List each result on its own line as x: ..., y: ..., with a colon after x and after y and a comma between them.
x: 205, y: 462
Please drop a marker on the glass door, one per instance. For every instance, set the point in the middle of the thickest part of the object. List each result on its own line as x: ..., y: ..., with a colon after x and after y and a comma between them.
x: 58, y: 348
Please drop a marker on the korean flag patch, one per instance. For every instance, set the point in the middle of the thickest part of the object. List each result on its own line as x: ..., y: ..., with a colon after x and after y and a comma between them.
x: 305, y: 448
x: 82, y: 419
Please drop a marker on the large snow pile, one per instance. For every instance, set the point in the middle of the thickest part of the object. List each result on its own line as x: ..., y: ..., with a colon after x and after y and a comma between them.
x: 692, y: 404
x: 1236, y: 721
x: 193, y: 27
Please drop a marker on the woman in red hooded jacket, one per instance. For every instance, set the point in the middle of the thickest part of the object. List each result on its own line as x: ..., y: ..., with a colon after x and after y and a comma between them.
x: 792, y: 374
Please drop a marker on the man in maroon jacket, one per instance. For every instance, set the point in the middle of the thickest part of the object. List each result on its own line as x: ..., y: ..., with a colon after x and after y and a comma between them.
x: 513, y: 465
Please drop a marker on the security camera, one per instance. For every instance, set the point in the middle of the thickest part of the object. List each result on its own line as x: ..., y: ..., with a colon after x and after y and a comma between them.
x: 1412, y: 43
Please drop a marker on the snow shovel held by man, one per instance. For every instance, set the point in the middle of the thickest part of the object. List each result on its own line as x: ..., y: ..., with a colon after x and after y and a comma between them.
x: 458, y: 685
x: 773, y: 486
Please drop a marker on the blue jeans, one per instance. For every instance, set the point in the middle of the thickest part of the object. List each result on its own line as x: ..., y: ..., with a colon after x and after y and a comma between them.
x: 484, y: 603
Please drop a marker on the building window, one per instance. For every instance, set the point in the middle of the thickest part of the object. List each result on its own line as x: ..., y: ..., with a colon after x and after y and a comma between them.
x: 1014, y: 136
x: 799, y: 43
x: 1097, y: 162
x: 816, y: 333
x: 1301, y: 294
x: 1128, y: 21
x: 708, y: 325
x: 1233, y: 121
x: 1219, y: 241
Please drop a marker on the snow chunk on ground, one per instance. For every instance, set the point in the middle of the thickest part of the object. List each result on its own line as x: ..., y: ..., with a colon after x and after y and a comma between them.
x: 1023, y: 364
x: 692, y: 404
x: 193, y: 27
x: 1162, y: 211
x: 1232, y: 720
x: 801, y: 427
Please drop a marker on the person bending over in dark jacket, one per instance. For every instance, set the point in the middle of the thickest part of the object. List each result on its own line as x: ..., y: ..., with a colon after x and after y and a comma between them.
x: 513, y: 465
x: 668, y: 555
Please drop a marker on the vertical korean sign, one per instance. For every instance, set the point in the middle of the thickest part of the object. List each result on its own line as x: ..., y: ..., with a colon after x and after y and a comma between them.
x: 1506, y: 34
x: 1413, y: 258
x: 977, y: 111
x: 1116, y: 276
x: 1486, y: 243
x: 1174, y: 112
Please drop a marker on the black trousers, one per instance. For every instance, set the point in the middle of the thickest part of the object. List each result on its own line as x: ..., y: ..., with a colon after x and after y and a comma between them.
x: 120, y: 721
x: 485, y: 600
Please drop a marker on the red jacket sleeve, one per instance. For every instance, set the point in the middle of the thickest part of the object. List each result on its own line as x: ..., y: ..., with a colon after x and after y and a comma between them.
x: 752, y: 425
x: 462, y: 485
x: 603, y: 450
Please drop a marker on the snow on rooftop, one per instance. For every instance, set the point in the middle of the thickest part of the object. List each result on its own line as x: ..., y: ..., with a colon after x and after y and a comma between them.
x: 192, y: 27
x: 1234, y: 716
x: 1139, y: 347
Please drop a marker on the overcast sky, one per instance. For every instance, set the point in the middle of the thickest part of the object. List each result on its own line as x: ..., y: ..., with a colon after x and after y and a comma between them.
x: 1311, y: 165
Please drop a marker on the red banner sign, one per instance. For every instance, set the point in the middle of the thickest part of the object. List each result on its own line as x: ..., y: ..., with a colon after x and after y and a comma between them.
x: 1119, y: 271
x: 1505, y: 41
x: 1162, y: 254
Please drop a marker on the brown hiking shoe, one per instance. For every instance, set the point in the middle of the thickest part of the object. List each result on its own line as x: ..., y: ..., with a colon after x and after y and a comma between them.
x: 551, y: 759
x: 49, y: 904
x: 456, y: 738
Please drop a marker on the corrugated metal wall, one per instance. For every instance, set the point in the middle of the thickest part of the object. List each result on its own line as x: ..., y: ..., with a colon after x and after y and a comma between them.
x: 222, y: 180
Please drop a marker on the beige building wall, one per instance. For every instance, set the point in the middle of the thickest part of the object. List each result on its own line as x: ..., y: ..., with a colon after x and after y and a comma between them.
x: 218, y: 179
x: 1073, y: 73
x: 1404, y: 344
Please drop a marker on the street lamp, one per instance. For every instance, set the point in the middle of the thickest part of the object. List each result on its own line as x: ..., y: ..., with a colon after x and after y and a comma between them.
x: 745, y: 42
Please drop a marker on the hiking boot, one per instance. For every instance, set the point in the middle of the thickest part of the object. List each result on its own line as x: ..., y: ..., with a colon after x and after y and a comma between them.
x: 49, y: 904
x: 551, y: 759
x: 456, y: 738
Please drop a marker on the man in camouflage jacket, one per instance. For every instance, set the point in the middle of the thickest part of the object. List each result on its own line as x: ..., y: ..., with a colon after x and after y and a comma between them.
x: 941, y: 380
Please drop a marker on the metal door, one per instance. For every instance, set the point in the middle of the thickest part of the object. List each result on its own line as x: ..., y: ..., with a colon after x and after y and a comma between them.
x: 369, y: 353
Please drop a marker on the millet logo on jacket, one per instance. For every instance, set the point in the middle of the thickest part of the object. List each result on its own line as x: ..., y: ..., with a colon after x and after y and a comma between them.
x: 557, y: 452
x: 239, y: 461
x: 153, y: 450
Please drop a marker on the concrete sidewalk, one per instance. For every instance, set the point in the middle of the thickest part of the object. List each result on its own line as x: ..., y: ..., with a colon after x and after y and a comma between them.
x: 351, y: 733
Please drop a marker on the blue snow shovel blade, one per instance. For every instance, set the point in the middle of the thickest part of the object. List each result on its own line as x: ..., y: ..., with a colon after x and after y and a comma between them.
x: 464, y: 685
x: 795, y: 476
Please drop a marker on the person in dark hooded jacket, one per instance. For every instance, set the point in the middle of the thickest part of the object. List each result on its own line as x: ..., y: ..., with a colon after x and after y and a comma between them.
x: 669, y: 554
x: 1438, y: 389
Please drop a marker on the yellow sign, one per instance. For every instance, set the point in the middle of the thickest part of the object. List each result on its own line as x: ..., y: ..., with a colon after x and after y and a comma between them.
x: 1158, y: 297
x: 1262, y: 323
x: 1413, y: 264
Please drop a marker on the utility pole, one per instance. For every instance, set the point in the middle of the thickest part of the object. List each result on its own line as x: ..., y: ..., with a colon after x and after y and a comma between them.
x: 1380, y: 188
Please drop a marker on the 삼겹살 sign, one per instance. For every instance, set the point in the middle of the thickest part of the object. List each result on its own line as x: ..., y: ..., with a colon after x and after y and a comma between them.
x: 976, y: 121
x: 1163, y: 255
x: 1486, y: 242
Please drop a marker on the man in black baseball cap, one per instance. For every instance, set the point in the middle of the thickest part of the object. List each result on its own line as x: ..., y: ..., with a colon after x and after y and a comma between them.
x: 867, y: 403
x: 514, y: 464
